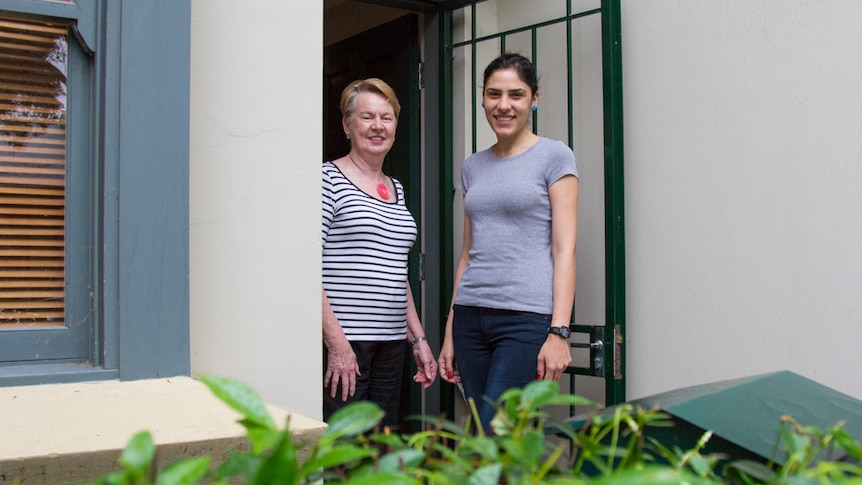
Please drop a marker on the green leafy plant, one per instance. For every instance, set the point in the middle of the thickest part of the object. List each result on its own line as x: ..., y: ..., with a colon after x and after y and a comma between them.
x: 805, y: 446
x: 525, y: 446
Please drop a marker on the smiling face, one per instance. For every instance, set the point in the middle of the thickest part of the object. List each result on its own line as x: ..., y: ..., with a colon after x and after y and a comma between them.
x: 371, y: 125
x: 508, y: 102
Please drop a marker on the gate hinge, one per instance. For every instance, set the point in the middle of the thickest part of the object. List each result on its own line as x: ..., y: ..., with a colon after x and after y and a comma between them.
x: 421, y: 76
x: 618, y: 352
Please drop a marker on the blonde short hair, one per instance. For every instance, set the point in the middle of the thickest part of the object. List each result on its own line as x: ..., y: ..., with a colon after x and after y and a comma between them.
x: 370, y: 85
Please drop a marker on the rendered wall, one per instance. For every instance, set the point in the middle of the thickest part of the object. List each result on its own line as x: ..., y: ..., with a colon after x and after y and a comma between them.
x: 256, y: 82
x: 743, y: 178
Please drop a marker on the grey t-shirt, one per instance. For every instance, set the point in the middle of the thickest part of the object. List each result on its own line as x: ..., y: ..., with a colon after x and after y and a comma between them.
x: 511, y: 265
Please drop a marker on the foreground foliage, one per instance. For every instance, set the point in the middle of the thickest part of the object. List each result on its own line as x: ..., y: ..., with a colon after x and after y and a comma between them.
x: 526, y: 447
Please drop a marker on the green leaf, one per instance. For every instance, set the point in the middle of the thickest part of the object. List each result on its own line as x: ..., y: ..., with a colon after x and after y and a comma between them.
x: 539, y: 393
x: 240, y: 465
x: 511, y: 399
x: 336, y: 456
x: 672, y: 456
x: 563, y: 480
x: 849, y: 444
x: 484, y: 446
x: 526, y: 449
x: 184, y: 472
x: 513, y: 392
x: 393, y: 441
x: 486, y: 475
x: 572, y: 400
x: 802, y: 444
x: 261, y: 437
x: 353, y: 419
x: 589, y: 444
x: 700, y: 465
x: 534, y: 444
x: 514, y: 449
x: 402, y: 459
x: 651, y: 475
x: 240, y: 398
x: 749, y: 468
x: 138, y: 455
x: 453, y: 462
x: 281, y: 466
x: 384, y: 478
x: 454, y: 474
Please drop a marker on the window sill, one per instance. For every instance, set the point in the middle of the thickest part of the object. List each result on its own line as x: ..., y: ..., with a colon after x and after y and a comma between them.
x: 31, y: 374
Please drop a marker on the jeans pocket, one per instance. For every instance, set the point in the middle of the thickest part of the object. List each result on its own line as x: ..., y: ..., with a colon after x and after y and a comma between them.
x: 538, y: 318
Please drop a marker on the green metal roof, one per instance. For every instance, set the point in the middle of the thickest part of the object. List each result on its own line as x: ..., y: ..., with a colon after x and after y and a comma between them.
x: 747, y: 412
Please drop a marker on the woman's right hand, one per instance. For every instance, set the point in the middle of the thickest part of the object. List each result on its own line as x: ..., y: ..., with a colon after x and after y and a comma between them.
x: 446, y: 362
x: 341, y: 367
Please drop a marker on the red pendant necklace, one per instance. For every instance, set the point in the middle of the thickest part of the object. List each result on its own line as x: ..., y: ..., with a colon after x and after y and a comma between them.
x: 383, y: 190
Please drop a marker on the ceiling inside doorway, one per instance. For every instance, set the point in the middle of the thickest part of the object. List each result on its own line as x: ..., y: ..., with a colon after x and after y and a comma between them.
x: 346, y: 18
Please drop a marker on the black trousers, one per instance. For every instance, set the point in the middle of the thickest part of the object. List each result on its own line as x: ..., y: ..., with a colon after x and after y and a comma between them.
x: 381, y: 365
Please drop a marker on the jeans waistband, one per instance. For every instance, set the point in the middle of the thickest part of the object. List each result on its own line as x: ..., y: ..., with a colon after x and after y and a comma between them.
x: 486, y: 311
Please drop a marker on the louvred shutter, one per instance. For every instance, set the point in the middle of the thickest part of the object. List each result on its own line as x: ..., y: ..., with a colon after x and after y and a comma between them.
x: 32, y: 172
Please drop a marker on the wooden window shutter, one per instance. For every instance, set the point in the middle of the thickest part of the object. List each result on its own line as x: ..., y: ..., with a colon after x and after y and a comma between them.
x: 33, y: 59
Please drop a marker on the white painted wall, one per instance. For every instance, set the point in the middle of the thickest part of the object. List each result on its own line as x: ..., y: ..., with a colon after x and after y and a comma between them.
x: 744, y: 191
x: 256, y: 77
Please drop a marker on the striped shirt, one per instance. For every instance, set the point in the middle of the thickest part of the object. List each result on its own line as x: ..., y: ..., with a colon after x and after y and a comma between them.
x: 365, y: 246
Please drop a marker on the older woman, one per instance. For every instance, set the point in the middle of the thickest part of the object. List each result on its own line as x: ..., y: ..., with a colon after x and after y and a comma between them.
x: 368, y: 309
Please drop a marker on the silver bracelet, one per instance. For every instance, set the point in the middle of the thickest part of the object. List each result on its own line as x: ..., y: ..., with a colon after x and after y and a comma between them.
x: 417, y: 340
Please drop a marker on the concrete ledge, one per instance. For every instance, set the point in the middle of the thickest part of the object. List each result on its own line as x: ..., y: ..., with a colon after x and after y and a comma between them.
x: 73, y: 433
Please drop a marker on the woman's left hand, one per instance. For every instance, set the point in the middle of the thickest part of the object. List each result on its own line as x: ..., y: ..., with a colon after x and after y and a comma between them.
x: 426, y: 365
x: 554, y: 357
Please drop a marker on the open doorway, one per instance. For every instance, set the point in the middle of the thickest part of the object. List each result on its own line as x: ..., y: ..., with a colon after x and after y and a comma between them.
x: 580, y: 51
x: 362, y: 40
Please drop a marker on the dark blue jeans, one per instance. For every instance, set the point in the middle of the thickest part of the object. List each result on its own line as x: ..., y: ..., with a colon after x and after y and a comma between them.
x: 496, y: 350
x: 382, y: 366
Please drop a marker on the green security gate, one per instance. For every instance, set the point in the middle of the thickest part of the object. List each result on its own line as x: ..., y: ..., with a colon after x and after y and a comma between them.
x: 576, y: 48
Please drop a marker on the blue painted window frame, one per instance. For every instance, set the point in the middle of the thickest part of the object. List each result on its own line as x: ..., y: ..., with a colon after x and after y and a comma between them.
x: 128, y: 145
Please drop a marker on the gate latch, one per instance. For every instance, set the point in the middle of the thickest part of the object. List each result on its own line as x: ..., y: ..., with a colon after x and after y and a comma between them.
x: 596, y: 346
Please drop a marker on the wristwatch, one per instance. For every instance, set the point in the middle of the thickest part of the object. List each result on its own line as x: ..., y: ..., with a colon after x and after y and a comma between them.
x: 563, y: 332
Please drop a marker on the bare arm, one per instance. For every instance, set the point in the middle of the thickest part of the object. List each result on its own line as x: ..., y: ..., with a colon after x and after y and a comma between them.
x: 555, y: 355
x: 341, y: 365
x: 426, y: 366
x: 446, y: 359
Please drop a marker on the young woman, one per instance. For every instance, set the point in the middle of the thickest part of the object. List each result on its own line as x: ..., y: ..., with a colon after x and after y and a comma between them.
x: 515, y: 280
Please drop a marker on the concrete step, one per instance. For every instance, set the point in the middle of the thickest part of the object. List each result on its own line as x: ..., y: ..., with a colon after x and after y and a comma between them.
x: 74, y: 433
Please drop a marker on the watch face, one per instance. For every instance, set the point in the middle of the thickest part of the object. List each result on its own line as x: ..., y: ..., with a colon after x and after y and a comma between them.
x: 561, y: 331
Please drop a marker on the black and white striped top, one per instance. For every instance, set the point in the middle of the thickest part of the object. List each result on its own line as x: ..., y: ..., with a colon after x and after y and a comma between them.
x: 365, y: 247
